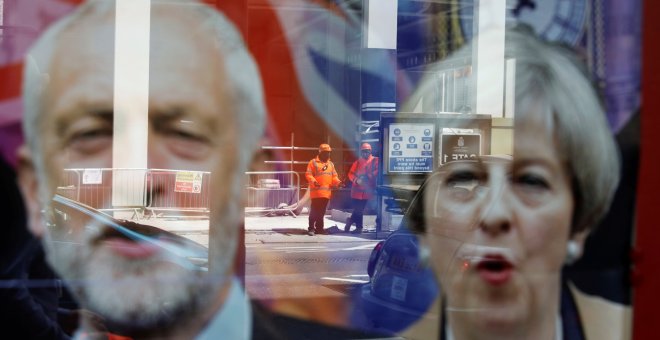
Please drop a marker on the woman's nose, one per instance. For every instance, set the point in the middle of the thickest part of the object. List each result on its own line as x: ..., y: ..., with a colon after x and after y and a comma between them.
x: 496, y: 211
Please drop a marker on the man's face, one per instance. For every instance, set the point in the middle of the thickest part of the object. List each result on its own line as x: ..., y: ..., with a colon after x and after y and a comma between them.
x: 192, y: 126
x: 365, y: 153
x: 324, y: 155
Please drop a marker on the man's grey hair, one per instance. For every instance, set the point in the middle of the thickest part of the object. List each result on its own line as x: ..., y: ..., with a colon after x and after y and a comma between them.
x: 242, y: 72
x: 551, y: 85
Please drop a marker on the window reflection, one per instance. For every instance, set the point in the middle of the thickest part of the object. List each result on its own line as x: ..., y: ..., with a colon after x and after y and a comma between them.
x: 185, y: 133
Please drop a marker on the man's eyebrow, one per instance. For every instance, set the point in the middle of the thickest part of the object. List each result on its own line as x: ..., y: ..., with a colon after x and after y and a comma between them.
x: 106, y: 115
x: 159, y: 118
x: 166, y: 115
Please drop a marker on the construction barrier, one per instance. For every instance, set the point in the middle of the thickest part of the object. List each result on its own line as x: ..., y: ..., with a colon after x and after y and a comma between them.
x: 94, y: 187
x: 146, y: 192
x: 155, y: 192
x: 178, y: 191
x: 272, y: 192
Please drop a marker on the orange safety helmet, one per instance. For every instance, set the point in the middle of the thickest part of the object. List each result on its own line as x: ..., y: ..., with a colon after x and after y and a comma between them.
x: 365, y: 146
x: 325, y: 147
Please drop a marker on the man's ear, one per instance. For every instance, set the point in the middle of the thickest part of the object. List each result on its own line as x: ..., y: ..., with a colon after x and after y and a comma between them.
x: 29, y: 185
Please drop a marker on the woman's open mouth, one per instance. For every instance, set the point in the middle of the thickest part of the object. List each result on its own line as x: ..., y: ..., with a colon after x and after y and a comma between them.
x: 496, y: 270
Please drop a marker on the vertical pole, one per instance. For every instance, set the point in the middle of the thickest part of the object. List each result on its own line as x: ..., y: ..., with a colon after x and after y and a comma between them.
x: 131, y: 99
x: 488, y: 57
x: 378, y: 84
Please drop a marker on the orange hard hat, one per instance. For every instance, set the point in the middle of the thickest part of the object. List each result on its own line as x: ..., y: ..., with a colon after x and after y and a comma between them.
x: 365, y: 146
x: 325, y: 147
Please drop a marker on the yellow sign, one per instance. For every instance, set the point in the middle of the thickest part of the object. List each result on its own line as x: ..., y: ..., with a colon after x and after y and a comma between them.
x: 188, y: 181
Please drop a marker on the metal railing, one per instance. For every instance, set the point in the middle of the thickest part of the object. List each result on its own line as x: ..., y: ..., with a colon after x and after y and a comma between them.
x: 178, y: 191
x: 272, y: 192
x: 154, y: 192
x: 143, y: 191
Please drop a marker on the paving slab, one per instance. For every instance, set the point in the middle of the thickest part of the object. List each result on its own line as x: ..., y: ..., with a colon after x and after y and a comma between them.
x: 272, y: 229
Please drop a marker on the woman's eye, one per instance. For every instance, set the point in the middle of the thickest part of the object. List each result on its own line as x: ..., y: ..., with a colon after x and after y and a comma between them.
x: 532, y: 181
x: 461, y: 185
x: 461, y: 178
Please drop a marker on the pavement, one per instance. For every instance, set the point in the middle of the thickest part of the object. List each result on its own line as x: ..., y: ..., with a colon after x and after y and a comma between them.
x: 275, y: 228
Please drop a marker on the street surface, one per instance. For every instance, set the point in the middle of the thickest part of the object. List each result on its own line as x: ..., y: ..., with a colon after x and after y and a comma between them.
x: 282, y: 261
x: 305, y: 276
x: 305, y: 269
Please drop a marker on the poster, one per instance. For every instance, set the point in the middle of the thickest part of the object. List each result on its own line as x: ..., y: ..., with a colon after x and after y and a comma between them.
x: 411, y: 147
x: 459, y: 146
x: 188, y: 181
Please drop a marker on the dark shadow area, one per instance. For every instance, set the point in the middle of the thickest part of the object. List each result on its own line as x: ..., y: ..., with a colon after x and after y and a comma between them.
x: 290, y: 231
x: 30, y: 292
x: 344, y: 288
x: 604, y: 269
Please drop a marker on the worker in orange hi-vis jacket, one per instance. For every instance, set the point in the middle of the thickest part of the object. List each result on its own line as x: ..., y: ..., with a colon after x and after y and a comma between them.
x: 363, y: 174
x: 322, y: 177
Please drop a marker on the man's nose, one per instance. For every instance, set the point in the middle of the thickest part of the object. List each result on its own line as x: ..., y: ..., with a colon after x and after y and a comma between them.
x: 496, y: 210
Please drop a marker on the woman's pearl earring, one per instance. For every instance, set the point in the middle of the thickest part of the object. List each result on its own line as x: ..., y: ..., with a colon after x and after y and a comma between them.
x: 573, y: 252
x: 424, y: 255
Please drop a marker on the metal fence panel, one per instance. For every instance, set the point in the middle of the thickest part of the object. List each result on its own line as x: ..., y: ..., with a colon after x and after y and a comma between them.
x: 178, y: 191
x: 94, y: 187
x: 272, y: 192
x: 139, y: 190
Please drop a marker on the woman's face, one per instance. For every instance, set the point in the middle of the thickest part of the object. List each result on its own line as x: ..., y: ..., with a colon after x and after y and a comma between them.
x: 498, y: 229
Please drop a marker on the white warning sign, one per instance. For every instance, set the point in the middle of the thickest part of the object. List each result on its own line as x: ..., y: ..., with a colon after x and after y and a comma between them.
x: 92, y: 176
x: 411, y: 147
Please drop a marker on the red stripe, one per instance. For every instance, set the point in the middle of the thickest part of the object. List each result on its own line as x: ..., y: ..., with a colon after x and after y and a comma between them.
x: 12, y: 76
x: 645, y: 275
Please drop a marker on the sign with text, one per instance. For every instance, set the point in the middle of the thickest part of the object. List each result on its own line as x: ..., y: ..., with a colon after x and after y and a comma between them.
x: 459, y: 146
x: 188, y: 181
x: 411, y: 147
x: 92, y: 176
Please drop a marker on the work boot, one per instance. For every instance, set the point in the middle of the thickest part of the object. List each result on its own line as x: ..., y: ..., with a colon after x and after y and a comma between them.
x: 347, y: 227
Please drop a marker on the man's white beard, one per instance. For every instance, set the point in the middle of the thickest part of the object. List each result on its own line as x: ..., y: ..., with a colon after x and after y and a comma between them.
x: 144, y: 294
x: 133, y: 294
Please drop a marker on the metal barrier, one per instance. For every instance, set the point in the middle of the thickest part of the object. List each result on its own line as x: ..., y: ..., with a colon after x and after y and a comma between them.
x: 152, y: 192
x: 178, y: 191
x: 94, y: 187
x: 139, y: 190
x: 272, y: 192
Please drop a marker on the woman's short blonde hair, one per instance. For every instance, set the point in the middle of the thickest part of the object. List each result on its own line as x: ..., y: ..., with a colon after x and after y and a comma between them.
x: 552, y: 85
